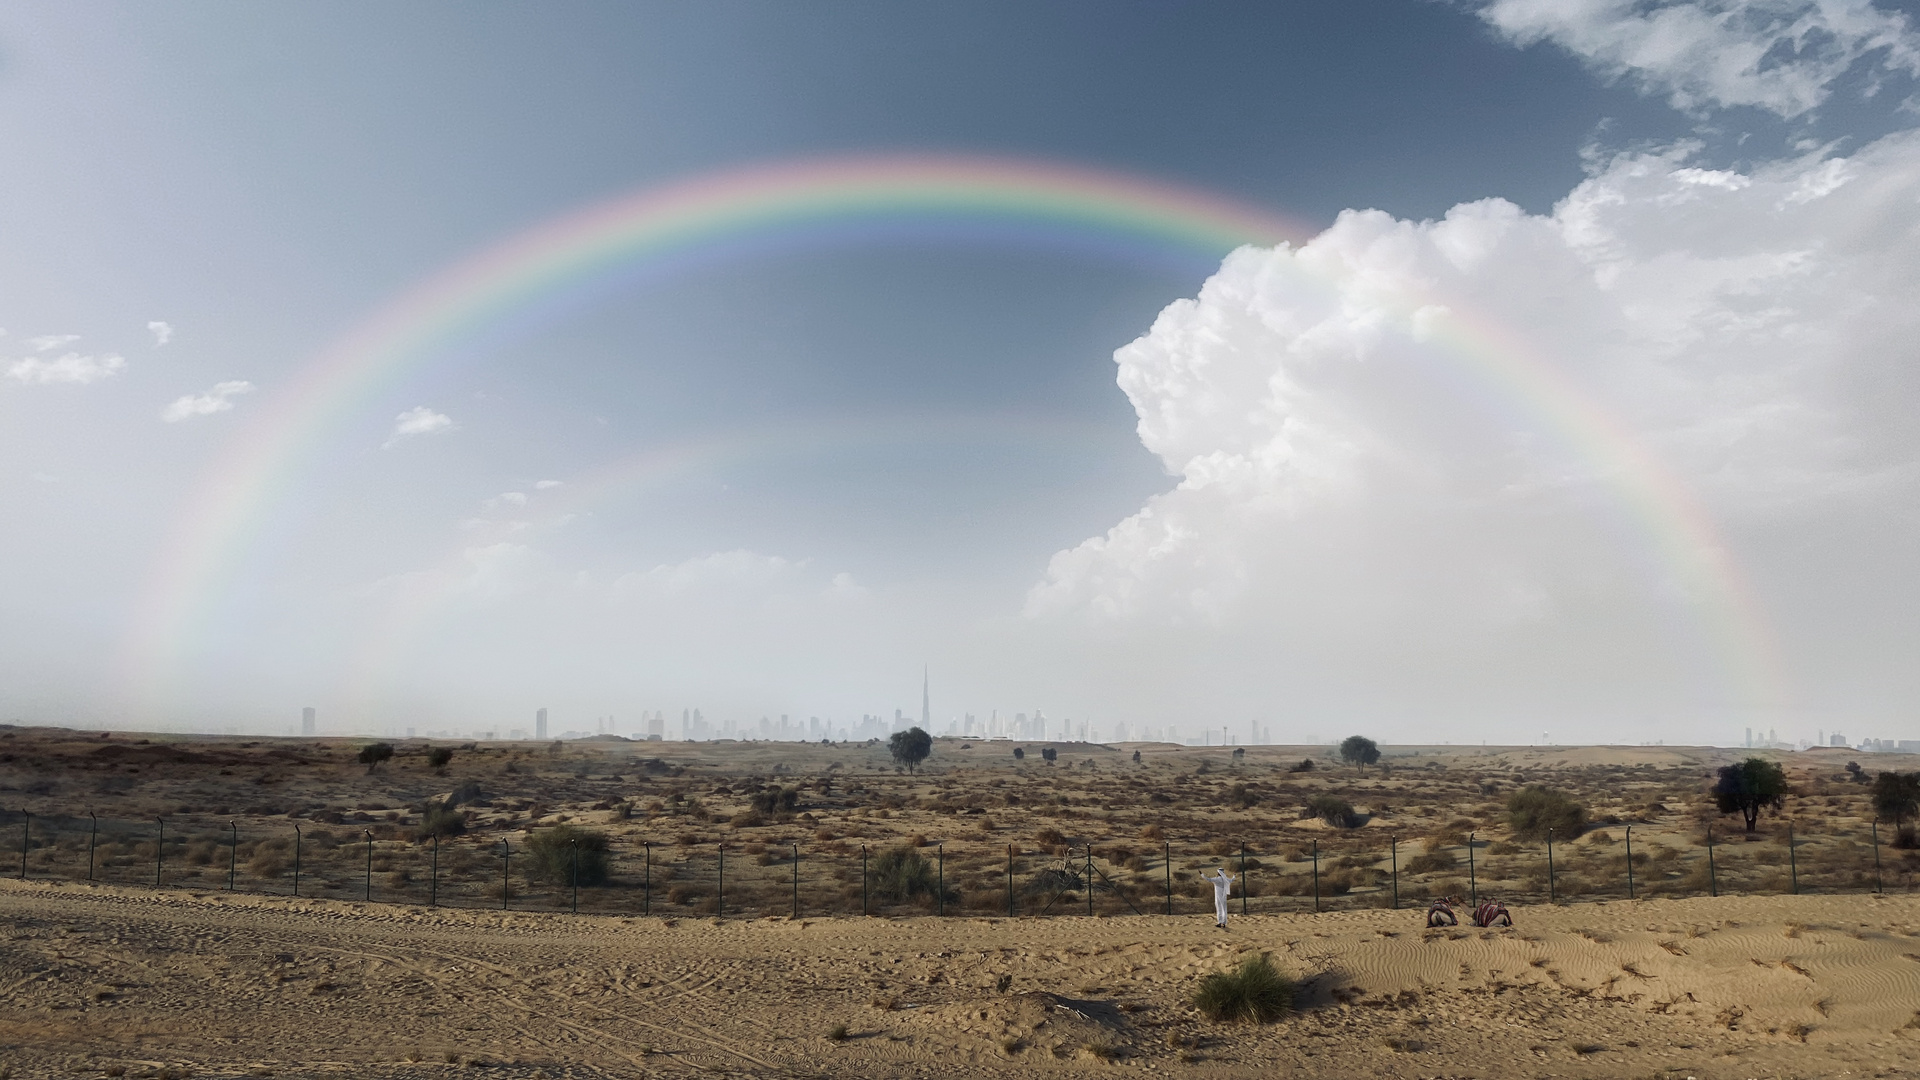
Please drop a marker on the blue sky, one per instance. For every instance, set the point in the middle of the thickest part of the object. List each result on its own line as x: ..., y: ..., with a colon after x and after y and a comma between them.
x: 259, y: 179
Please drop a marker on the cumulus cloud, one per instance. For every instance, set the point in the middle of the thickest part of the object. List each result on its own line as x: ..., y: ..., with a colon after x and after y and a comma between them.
x: 543, y: 485
x: 73, y: 368
x: 162, y: 332
x: 1779, y: 55
x: 216, y: 400
x: 1371, y: 493
x: 49, y: 342
x: 418, y: 420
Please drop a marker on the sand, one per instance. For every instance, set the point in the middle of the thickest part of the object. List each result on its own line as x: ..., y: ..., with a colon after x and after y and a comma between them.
x: 94, y: 978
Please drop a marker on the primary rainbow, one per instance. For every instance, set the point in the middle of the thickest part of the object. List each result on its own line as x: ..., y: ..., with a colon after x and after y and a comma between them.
x: 663, y: 229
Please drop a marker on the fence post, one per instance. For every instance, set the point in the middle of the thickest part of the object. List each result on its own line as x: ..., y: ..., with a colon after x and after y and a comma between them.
x: 26, y: 834
x: 720, y: 893
x: 1243, y: 879
x: 1553, y: 896
x: 296, y: 860
x: 574, y: 871
x: 1009, y: 881
x: 863, y: 879
x: 1630, y: 895
x: 646, y: 897
x: 1473, y: 882
x: 1713, y: 877
x: 1089, y: 881
x: 1316, y: 875
x: 1394, y: 846
x: 369, y: 833
x: 506, y: 869
x: 433, y: 889
x: 93, y: 837
x: 941, y: 855
x: 233, y: 852
x: 1166, y: 861
x: 796, y: 881
x: 1793, y: 866
x: 1876, y: 855
x: 159, y: 850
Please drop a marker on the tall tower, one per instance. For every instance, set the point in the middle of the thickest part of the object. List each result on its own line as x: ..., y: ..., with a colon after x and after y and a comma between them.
x: 306, y: 721
x: 540, y: 725
x: 926, y: 703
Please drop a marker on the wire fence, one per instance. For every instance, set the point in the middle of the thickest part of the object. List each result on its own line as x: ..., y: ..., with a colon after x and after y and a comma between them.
x: 598, y: 871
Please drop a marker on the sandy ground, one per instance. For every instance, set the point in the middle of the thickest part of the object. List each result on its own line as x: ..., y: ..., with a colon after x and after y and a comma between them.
x: 101, y: 980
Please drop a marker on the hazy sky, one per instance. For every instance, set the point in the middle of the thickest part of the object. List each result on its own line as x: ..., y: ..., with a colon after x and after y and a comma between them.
x: 1584, y: 402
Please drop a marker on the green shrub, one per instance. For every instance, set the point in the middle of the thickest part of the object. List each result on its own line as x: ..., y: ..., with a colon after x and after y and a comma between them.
x: 1255, y: 992
x: 901, y: 873
x: 1333, y: 810
x: 550, y: 856
x: 440, y: 820
x: 775, y: 800
x: 439, y: 756
x: 1533, y: 810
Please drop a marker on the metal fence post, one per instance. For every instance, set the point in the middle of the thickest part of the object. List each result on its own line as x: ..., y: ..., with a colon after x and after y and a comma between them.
x: 1630, y: 895
x: 1793, y: 866
x: 296, y: 860
x: 720, y: 893
x: 1316, y: 875
x: 1553, y: 895
x: 796, y: 881
x: 1243, y: 879
x: 1394, y: 847
x: 1876, y: 855
x: 233, y: 852
x: 1166, y: 861
x: 574, y: 871
x: 369, y: 833
x: 1473, y: 882
x: 863, y: 879
x: 506, y: 870
x: 941, y: 856
x: 646, y: 897
x: 1009, y: 881
x: 93, y: 838
x: 1713, y: 877
x: 26, y: 834
x: 159, y: 850
x: 1089, y: 881
x: 433, y: 888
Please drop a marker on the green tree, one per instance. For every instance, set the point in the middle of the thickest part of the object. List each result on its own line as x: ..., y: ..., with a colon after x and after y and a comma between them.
x: 1896, y: 796
x: 1049, y: 755
x: 1359, y: 750
x: 910, y: 747
x: 438, y: 757
x: 372, y: 754
x: 1748, y: 787
x: 1533, y: 810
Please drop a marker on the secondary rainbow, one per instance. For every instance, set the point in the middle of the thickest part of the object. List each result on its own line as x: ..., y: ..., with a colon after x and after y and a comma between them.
x: 660, y: 230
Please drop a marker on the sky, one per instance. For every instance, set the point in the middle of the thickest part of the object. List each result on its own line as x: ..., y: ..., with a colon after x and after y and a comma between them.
x: 1559, y: 383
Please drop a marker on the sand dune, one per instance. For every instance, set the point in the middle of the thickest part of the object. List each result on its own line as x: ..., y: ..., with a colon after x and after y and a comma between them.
x: 206, y: 984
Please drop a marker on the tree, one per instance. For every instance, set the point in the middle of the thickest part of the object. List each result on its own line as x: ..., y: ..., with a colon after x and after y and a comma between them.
x: 1359, y: 750
x: 1896, y: 796
x: 1136, y: 757
x: 1049, y: 755
x: 1019, y: 753
x: 1533, y: 810
x: 373, y: 754
x: 1750, y: 786
x: 438, y: 757
x: 910, y: 747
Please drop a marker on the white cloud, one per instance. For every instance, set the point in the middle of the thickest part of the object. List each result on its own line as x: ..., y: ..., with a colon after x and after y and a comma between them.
x: 1368, y: 510
x: 515, y: 499
x: 418, y: 420
x: 543, y: 485
x: 218, y: 399
x: 162, y: 332
x: 49, y: 342
x: 1779, y: 55
x: 70, y: 368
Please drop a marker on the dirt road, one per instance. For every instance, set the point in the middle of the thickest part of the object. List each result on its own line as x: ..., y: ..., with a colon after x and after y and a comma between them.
x: 211, y: 985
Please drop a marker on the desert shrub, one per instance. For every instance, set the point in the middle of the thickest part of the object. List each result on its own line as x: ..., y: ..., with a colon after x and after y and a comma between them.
x: 440, y: 820
x: 776, y: 800
x: 1049, y: 755
x: 1019, y: 753
x: 269, y: 859
x: 1533, y: 810
x: 1333, y: 810
x: 1051, y: 839
x: 1255, y: 992
x: 1305, y: 765
x: 901, y: 873
x: 1428, y: 862
x: 1223, y: 847
x: 550, y: 856
x: 439, y: 756
x: 373, y: 754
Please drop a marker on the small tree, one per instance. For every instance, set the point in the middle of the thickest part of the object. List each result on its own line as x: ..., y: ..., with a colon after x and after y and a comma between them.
x: 1136, y: 757
x: 551, y: 854
x: 438, y: 757
x: 910, y: 747
x: 1049, y: 755
x: 1533, y: 810
x: 1019, y: 753
x: 1359, y: 750
x: 1896, y: 796
x: 1750, y: 786
x: 372, y: 754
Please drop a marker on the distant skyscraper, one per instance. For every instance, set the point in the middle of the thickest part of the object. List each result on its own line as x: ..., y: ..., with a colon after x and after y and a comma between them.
x: 926, y: 702
x: 306, y: 720
x: 540, y: 725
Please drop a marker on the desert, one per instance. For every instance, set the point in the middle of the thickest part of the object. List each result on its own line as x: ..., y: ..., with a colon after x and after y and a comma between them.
x: 694, y: 941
